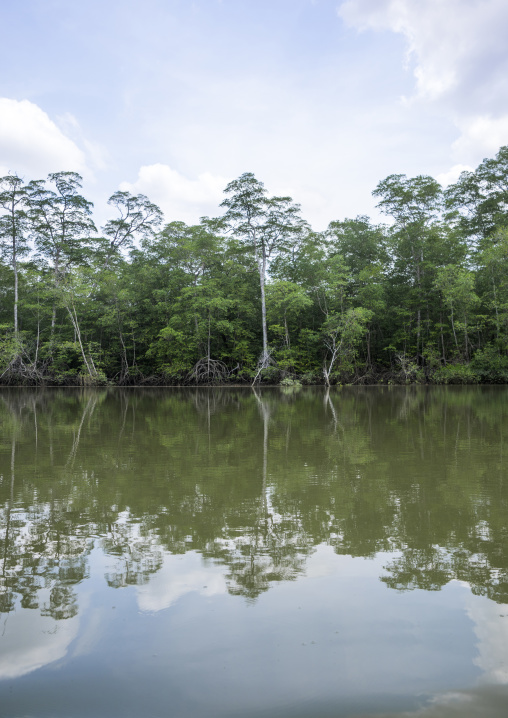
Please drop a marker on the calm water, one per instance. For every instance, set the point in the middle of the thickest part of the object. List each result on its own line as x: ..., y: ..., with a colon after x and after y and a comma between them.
x: 227, y: 552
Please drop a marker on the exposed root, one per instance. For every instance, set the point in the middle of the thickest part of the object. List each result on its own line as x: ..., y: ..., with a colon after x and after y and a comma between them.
x: 19, y: 371
x: 209, y: 371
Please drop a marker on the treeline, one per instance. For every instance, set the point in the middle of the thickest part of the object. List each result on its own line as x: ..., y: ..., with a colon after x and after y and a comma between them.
x: 256, y: 294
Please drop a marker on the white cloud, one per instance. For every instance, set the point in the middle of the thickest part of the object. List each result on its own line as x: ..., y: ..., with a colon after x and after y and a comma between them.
x: 422, y: 25
x: 32, y: 145
x: 179, y: 198
x: 459, y: 59
x: 481, y: 136
x: 453, y: 174
x: 449, y: 42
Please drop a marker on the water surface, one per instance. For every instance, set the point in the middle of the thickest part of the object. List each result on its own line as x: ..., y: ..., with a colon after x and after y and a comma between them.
x: 230, y: 552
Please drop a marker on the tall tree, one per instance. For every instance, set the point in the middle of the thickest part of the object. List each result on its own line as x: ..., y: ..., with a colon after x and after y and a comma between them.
x: 359, y: 242
x: 492, y: 275
x: 415, y: 205
x: 457, y: 287
x: 60, y: 221
x: 266, y: 225
x: 287, y: 302
x: 13, y: 229
x: 138, y: 219
x: 479, y: 200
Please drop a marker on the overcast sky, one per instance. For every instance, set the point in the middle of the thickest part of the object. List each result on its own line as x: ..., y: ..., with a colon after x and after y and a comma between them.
x: 321, y: 99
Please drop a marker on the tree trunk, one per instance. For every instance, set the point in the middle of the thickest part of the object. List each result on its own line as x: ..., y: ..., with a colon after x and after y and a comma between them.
x: 74, y: 320
x: 286, y: 331
x: 453, y: 327
x: 262, y: 270
x: 15, y: 270
x: 442, y: 338
x: 495, y: 306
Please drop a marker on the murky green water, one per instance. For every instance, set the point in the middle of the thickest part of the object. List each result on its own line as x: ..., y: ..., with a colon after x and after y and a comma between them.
x: 237, y: 553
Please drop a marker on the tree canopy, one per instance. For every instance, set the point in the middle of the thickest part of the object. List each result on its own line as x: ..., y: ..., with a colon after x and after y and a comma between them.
x: 255, y: 294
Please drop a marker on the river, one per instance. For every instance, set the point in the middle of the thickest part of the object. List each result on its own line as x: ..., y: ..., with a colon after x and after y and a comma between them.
x: 278, y: 552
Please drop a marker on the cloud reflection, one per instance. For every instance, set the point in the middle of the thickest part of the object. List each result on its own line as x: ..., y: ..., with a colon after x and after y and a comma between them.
x: 180, y: 574
x: 31, y: 641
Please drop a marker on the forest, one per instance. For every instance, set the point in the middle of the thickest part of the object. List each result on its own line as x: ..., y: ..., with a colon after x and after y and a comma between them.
x: 254, y: 294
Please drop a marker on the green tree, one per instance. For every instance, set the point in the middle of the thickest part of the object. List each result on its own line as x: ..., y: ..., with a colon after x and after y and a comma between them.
x: 342, y: 335
x: 60, y: 224
x: 13, y: 230
x: 286, y: 302
x: 457, y: 287
x: 267, y: 226
x: 360, y: 243
x: 492, y: 278
x: 478, y: 201
x: 415, y: 205
x: 138, y: 219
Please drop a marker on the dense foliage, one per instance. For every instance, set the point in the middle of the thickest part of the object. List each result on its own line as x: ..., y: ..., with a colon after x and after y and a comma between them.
x: 256, y: 294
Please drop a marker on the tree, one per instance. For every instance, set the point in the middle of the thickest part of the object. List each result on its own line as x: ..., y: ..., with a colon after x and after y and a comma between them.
x: 60, y: 223
x: 342, y: 334
x: 415, y: 205
x: 479, y: 199
x: 139, y: 218
x: 493, y: 281
x: 360, y: 243
x: 196, y: 289
x: 457, y: 287
x: 287, y: 301
x: 266, y: 225
x: 13, y: 229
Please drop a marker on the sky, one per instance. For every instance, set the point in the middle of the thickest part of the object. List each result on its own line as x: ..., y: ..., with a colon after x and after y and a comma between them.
x: 320, y: 99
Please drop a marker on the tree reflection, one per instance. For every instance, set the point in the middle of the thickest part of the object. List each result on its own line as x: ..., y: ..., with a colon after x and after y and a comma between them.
x: 428, y: 568
x: 137, y: 556
x: 252, y: 479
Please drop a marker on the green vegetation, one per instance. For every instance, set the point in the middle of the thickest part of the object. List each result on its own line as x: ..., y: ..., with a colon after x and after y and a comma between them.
x: 256, y: 295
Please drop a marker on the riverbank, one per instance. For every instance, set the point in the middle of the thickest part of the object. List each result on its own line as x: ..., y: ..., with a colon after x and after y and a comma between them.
x: 411, y: 373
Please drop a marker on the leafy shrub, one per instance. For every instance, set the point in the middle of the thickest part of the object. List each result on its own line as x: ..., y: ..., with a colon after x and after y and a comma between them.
x: 270, y: 375
x: 310, y: 377
x: 490, y: 366
x: 410, y: 372
x: 289, y: 382
x: 455, y: 374
x: 67, y: 360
